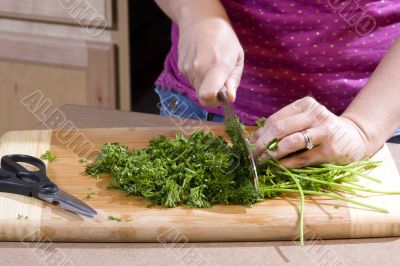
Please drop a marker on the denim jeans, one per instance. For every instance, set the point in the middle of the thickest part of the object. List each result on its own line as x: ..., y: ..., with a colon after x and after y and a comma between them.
x: 178, y: 105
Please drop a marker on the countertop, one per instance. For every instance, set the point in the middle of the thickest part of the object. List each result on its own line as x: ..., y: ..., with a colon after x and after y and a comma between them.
x: 377, y: 251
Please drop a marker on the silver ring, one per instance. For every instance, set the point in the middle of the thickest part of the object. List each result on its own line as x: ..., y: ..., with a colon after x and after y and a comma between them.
x: 308, y: 139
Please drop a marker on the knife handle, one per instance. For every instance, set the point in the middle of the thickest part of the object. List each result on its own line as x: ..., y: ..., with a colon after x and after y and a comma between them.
x: 222, y: 95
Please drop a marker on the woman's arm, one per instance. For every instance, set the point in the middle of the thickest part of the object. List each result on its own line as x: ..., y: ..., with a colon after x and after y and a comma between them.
x: 181, y: 10
x: 210, y: 54
x: 376, y: 109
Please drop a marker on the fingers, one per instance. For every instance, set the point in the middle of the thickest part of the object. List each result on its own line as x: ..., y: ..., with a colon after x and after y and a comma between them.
x: 233, y: 81
x: 287, y: 111
x: 335, y: 140
x: 185, y: 59
x: 280, y: 129
x: 208, y: 74
x: 296, y: 142
x: 311, y: 157
x: 214, y: 79
x: 307, y: 104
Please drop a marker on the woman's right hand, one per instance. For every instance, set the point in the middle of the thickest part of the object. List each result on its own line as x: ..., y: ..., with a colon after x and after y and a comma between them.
x: 210, y: 55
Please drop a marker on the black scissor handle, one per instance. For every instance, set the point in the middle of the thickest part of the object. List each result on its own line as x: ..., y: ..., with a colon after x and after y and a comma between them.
x: 11, y: 163
x: 37, y: 180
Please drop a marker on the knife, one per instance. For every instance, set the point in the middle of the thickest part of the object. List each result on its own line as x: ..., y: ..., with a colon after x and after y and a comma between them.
x: 230, y: 116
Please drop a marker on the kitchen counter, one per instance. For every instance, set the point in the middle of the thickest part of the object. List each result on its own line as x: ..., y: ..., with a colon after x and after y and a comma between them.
x: 377, y: 251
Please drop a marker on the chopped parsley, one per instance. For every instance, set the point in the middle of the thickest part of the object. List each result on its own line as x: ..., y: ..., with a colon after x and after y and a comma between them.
x: 22, y: 217
x: 49, y: 155
x: 261, y: 122
x: 90, y: 195
x: 272, y: 145
x: 114, y: 218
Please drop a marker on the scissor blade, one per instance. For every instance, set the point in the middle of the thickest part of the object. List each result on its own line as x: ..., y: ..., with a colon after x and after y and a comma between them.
x: 69, y: 202
x: 230, y: 116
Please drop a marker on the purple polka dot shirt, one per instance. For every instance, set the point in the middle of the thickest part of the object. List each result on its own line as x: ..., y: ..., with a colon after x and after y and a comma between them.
x: 324, y: 48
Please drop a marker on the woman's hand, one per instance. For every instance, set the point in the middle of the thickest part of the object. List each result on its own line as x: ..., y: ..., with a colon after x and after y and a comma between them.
x: 336, y: 139
x: 210, y: 55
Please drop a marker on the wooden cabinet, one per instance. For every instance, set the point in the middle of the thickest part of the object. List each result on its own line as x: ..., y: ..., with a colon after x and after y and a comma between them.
x: 45, y: 47
x: 82, y: 12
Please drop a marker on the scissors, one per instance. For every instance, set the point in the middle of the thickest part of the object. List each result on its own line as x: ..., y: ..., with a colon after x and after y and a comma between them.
x: 16, y: 179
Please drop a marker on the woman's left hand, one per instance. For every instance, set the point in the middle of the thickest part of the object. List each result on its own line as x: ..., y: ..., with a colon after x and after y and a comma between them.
x: 336, y: 139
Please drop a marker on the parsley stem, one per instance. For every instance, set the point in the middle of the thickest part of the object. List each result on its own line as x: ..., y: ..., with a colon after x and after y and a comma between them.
x: 365, y: 176
x: 344, y: 187
x: 300, y: 190
x: 331, y: 195
x: 353, y: 184
x: 329, y: 167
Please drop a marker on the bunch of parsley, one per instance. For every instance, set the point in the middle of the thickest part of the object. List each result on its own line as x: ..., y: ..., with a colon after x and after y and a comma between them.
x: 198, y: 171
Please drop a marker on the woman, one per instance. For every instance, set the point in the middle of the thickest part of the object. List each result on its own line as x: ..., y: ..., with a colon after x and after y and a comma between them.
x: 271, y: 55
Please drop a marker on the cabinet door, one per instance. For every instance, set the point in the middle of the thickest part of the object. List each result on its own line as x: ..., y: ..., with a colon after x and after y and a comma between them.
x: 81, y: 12
x: 62, y: 70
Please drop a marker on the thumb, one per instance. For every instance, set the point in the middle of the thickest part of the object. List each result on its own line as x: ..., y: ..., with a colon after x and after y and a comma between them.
x: 213, y: 81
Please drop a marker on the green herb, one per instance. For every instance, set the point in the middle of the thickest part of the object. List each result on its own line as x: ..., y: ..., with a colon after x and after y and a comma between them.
x: 49, y: 155
x: 261, y: 122
x: 82, y: 160
x: 114, y: 218
x: 90, y: 195
x: 203, y: 169
x: 22, y: 217
x: 198, y: 171
x: 272, y: 145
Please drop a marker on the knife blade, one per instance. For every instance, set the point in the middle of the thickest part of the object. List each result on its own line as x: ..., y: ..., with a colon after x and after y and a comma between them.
x: 229, y: 115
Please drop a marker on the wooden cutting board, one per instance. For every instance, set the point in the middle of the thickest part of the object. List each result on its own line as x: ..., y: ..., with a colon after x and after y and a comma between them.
x: 276, y: 219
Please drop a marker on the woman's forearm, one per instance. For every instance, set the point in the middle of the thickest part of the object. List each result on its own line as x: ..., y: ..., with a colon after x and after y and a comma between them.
x: 376, y: 109
x: 179, y: 10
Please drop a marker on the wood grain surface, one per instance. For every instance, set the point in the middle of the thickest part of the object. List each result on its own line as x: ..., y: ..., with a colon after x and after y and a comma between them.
x: 84, y: 13
x: 33, y: 143
x: 276, y: 219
